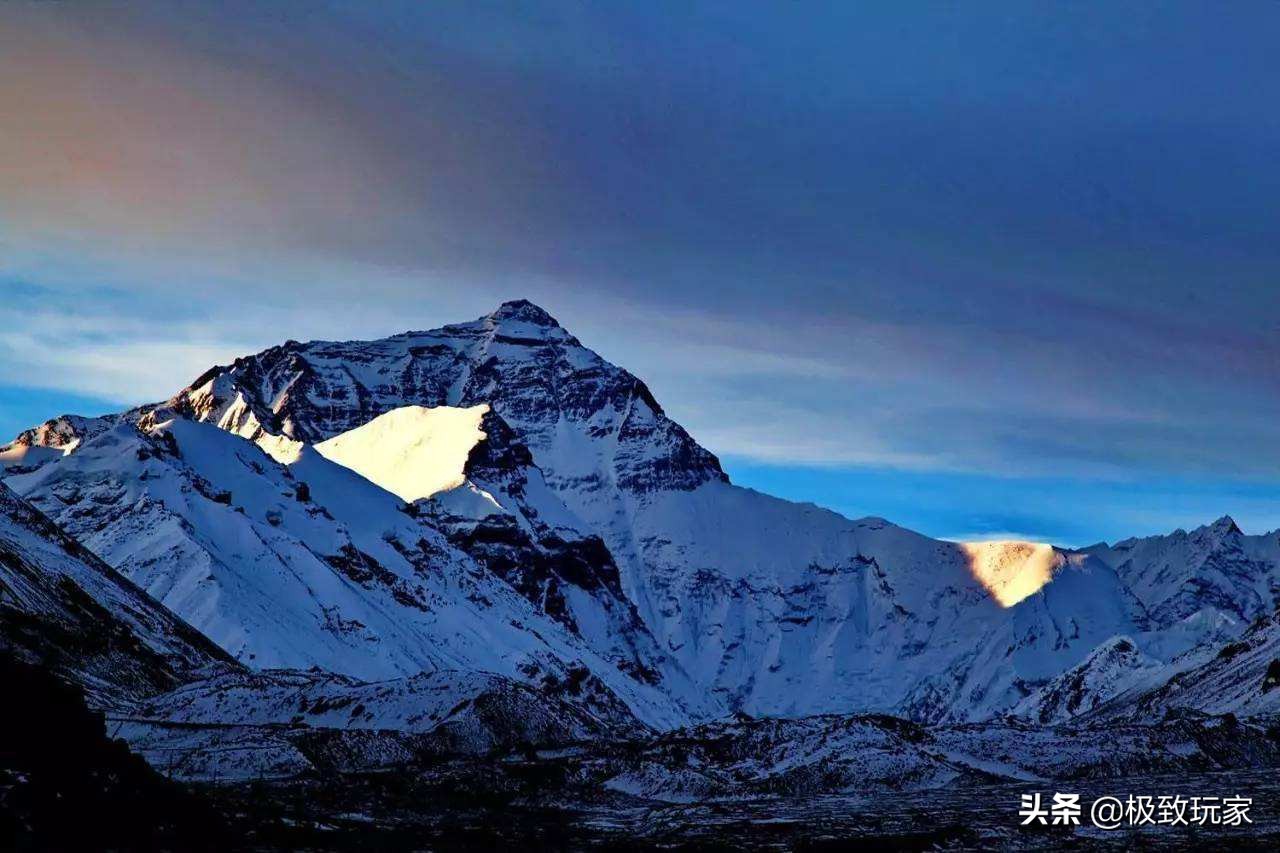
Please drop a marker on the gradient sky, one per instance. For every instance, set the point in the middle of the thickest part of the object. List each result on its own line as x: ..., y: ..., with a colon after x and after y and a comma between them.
x: 983, y: 269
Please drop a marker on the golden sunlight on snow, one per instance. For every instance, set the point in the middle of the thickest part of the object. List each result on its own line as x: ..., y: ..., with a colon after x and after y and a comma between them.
x: 412, y: 452
x: 1012, y: 570
x: 281, y: 448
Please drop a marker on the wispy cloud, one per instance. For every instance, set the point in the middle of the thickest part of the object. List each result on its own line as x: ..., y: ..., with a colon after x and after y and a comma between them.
x: 109, y: 356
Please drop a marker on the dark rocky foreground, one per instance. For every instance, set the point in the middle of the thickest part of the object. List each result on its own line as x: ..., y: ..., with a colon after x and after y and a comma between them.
x: 441, y: 811
x: 66, y: 785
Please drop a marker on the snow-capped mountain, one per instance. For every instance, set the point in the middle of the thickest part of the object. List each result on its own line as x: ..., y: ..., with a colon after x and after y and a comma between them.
x: 1241, y: 677
x: 493, y: 496
x: 1115, y: 666
x: 1184, y: 574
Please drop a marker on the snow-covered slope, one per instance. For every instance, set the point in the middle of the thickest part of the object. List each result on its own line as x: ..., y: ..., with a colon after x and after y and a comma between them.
x: 18, y: 458
x: 311, y: 565
x: 585, y: 528
x: 412, y: 452
x: 63, y: 433
x: 1215, y: 566
x: 793, y: 610
x: 1115, y: 666
x: 1241, y: 677
x: 64, y: 609
x: 1012, y: 570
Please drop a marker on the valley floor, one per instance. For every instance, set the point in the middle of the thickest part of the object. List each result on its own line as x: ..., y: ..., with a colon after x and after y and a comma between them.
x: 831, y: 782
x: 434, y: 811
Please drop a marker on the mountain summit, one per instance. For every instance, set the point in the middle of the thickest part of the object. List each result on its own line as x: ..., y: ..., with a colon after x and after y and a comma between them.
x: 524, y: 311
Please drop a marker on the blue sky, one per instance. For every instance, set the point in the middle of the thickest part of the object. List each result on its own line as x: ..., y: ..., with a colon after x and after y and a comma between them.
x: 977, y: 268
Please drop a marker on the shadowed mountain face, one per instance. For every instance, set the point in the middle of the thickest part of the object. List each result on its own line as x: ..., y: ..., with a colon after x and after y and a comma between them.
x: 65, y: 610
x: 590, y: 534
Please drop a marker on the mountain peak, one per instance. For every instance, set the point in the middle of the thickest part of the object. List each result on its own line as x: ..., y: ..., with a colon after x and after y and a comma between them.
x: 524, y: 311
x: 1225, y: 526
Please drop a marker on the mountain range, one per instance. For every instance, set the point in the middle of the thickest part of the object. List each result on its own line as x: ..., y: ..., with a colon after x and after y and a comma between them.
x: 486, y: 535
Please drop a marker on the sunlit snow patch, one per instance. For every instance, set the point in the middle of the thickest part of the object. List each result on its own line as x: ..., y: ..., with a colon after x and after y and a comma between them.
x: 24, y: 456
x: 1010, y: 570
x: 281, y: 448
x: 412, y: 452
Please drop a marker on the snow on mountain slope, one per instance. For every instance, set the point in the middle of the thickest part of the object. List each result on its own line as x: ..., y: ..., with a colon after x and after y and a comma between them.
x: 1012, y: 570
x: 507, y: 518
x: 54, y: 438
x: 790, y: 609
x: 615, y: 527
x: 1115, y: 666
x: 62, y: 433
x: 309, y: 564
x: 63, y: 608
x: 1214, y: 566
x: 19, y: 458
x: 494, y: 504
x: 560, y: 397
x: 413, y: 451
x: 1241, y: 678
